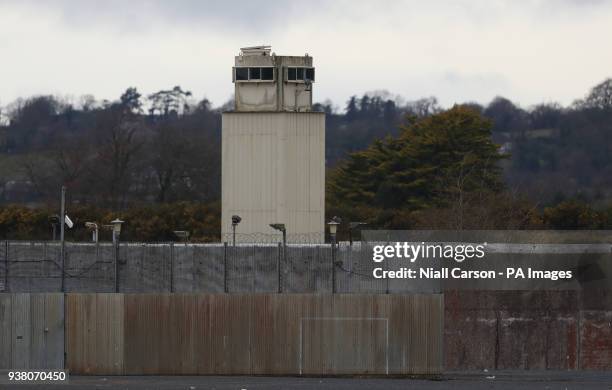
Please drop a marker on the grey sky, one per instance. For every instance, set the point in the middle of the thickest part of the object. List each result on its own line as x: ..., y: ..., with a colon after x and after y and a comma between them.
x: 530, y: 51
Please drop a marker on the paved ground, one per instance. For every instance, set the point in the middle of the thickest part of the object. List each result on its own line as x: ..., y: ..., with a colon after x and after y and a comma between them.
x: 474, y: 380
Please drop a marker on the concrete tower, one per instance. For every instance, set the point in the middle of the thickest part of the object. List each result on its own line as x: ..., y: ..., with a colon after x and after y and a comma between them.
x: 273, y: 149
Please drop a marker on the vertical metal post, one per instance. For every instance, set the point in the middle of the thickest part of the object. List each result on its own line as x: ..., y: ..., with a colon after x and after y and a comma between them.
x: 278, y: 266
x: 225, y: 267
x: 171, y: 267
x: 62, y: 243
x: 333, y: 248
x: 116, y: 245
x: 233, y: 234
x: 6, y: 264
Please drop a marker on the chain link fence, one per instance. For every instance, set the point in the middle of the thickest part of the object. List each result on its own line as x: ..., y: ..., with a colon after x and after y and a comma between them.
x: 186, y: 267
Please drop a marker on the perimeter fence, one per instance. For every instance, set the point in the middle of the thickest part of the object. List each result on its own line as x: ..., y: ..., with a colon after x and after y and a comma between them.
x: 186, y: 267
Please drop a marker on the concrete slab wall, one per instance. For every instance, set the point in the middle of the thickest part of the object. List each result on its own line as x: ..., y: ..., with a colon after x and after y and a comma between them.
x: 559, y: 330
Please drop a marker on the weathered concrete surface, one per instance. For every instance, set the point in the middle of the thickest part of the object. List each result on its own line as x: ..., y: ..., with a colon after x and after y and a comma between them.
x: 528, y: 330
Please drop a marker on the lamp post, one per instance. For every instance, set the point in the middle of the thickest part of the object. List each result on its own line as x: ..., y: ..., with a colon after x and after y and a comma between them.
x: 54, y: 222
x: 333, y: 228
x: 281, y: 227
x: 235, y: 221
x: 62, y: 244
x: 116, y: 226
x: 94, y: 230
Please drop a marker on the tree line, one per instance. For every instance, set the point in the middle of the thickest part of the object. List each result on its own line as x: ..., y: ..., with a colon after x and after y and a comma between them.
x: 390, y: 163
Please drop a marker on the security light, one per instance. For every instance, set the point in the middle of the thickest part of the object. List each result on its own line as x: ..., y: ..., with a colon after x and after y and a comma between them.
x: 278, y: 226
x: 117, y: 226
x: 333, y: 227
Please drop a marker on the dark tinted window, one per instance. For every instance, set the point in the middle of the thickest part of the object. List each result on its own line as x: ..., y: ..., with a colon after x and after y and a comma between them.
x: 310, y: 74
x: 255, y: 73
x: 267, y: 73
x: 242, y: 73
x: 290, y: 73
x: 300, y: 73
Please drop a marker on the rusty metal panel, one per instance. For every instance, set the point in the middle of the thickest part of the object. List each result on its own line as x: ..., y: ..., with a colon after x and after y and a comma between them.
x: 230, y: 323
x: 162, y: 333
x: 95, y: 332
x: 256, y: 334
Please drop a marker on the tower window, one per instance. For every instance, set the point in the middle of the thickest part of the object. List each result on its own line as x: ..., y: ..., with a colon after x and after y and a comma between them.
x: 254, y: 73
x: 310, y: 74
x: 291, y: 74
x: 242, y: 74
x: 300, y: 74
x: 267, y: 73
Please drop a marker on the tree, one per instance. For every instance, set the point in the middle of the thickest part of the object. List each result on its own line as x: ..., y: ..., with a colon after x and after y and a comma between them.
x: 506, y: 117
x: 117, y: 127
x: 169, y: 102
x: 600, y: 96
x: 435, y: 161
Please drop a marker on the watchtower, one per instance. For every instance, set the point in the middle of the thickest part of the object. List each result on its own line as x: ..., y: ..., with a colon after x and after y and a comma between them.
x: 273, y: 149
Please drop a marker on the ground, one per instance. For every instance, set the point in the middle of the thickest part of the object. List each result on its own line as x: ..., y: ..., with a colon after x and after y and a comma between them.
x: 471, y: 380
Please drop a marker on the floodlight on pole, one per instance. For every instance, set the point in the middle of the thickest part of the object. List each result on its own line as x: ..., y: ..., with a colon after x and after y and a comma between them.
x: 54, y: 221
x: 116, y: 224
x: 333, y: 227
x: 281, y: 227
x: 94, y: 228
x: 235, y: 221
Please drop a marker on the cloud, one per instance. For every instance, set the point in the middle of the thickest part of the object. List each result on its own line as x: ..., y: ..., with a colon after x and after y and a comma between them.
x: 457, y: 50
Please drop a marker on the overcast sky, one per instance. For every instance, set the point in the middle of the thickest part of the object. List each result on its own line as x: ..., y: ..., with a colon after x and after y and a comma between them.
x: 530, y: 51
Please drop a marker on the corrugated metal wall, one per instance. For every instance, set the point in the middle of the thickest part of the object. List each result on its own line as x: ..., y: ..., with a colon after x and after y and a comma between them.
x: 256, y: 334
x: 273, y: 171
x: 95, y: 333
x: 31, y: 331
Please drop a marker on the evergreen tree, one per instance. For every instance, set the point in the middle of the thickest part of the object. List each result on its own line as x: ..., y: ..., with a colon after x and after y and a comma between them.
x: 434, y: 161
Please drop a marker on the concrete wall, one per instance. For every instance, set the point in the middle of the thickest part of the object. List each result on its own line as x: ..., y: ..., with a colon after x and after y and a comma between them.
x: 558, y: 330
x: 273, y: 171
x: 276, y: 95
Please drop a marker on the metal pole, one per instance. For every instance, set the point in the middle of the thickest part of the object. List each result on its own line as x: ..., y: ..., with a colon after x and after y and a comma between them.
x: 6, y: 264
x: 171, y: 267
x: 116, y: 244
x: 233, y: 234
x: 284, y: 263
x: 278, y: 266
x: 333, y: 264
x: 62, y: 243
x: 225, y: 267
